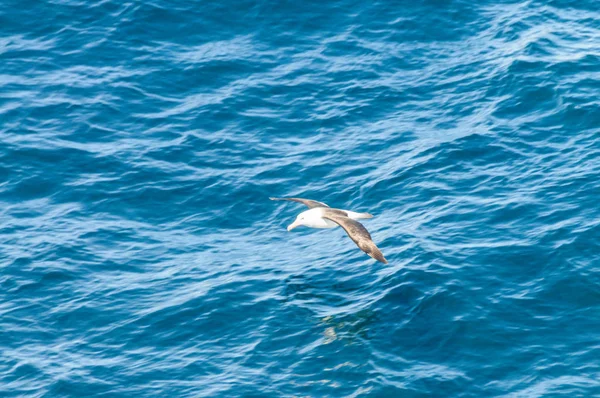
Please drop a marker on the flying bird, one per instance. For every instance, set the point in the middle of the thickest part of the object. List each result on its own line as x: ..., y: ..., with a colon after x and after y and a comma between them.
x: 320, y: 215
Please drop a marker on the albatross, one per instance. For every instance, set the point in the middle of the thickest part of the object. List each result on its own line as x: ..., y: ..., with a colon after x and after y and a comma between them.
x: 319, y: 215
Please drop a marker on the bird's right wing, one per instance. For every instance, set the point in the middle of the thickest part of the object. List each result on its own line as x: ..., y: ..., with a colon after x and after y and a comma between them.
x: 308, y: 202
x: 357, y: 232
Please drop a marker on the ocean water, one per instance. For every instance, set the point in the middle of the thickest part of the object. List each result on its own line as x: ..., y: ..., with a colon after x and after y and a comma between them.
x: 140, y: 142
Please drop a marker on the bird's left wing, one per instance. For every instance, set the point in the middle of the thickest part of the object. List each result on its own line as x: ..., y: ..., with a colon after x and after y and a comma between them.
x: 308, y: 202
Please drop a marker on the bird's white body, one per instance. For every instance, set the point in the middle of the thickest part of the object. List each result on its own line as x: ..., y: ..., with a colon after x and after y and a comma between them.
x: 313, y: 218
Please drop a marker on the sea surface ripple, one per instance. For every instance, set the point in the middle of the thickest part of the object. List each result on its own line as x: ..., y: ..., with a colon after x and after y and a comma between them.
x: 140, y: 141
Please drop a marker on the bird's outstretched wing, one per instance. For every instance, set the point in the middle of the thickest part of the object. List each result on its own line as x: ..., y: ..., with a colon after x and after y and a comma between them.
x: 356, y: 231
x: 310, y: 203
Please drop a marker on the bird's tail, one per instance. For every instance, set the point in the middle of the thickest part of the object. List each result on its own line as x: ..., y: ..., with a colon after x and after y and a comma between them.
x: 358, y: 216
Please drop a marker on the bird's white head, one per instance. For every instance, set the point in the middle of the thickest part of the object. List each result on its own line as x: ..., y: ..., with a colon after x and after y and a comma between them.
x: 297, y: 222
x: 309, y: 218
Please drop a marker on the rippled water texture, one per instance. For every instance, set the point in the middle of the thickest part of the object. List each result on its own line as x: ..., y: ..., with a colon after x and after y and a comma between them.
x: 140, y: 255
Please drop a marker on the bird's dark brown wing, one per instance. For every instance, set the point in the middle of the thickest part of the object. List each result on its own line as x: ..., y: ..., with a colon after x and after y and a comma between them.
x: 357, y: 232
x: 310, y: 203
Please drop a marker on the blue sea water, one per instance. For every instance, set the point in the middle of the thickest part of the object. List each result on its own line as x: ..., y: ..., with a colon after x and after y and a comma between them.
x: 140, y: 255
